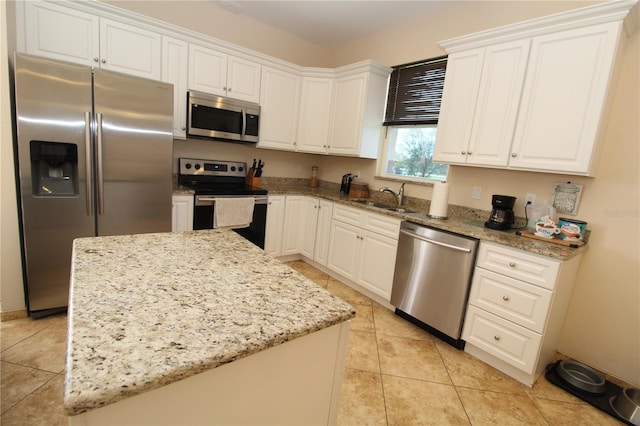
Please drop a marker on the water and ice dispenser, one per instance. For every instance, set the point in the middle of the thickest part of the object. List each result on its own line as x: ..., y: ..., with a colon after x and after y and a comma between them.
x: 54, y: 169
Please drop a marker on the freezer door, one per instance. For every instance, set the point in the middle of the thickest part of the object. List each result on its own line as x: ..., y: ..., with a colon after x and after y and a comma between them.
x: 134, y: 149
x: 53, y: 107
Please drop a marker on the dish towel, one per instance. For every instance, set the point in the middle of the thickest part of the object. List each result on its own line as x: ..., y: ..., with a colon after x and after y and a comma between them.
x: 233, y: 212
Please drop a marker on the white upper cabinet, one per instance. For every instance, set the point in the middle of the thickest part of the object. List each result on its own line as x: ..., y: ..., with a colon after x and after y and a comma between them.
x: 215, y: 72
x: 459, y: 97
x: 480, y: 104
x: 342, y: 114
x: 130, y: 50
x: 564, y: 99
x: 61, y: 33
x: 175, y: 54
x: 315, y: 114
x: 358, y: 112
x: 531, y: 96
x: 279, y: 100
x: 66, y: 34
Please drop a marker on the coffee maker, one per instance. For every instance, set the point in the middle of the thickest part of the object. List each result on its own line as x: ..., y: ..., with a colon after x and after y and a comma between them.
x: 345, y: 185
x: 502, y: 216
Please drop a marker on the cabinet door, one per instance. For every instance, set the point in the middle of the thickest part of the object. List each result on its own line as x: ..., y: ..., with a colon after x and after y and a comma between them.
x: 308, y: 226
x: 175, y: 54
x: 243, y: 79
x: 182, y: 213
x: 497, y: 105
x: 275, y: 224
x: 563, y: 99
x: 60, y: 33
x: 130, y: 50
x: 459, y: 97
x: 314, y: 117
x: 344, y: 246
x: 207, y: 70
x: 347, y: 115
x: 293, y: 211
x: 323, y: 232
x: 376, y: 263
x: 279, y: 100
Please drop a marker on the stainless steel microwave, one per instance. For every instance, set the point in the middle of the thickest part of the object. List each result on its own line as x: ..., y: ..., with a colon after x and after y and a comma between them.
x: 217, y: 117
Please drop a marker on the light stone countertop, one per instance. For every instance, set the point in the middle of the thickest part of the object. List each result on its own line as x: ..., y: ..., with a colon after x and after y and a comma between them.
x: 150, y: 309
x: 461, y: 220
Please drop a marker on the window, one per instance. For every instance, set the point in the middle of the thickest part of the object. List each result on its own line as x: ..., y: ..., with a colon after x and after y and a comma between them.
x: 413, y: 106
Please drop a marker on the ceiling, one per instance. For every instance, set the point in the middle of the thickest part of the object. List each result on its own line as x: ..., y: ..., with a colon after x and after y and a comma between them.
x: 331, y: 22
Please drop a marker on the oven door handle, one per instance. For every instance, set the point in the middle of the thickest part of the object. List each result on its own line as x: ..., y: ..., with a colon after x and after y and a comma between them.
x: 257, y: 200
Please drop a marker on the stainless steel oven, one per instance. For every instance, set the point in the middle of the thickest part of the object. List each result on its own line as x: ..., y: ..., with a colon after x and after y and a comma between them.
x: 214, y: 179
x: 204, y: 210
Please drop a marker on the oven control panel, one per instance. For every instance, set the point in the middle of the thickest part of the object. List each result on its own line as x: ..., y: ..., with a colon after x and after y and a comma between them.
x: 195, y: 167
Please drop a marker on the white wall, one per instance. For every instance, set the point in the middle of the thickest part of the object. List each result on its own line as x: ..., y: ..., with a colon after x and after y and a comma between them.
x: 11, y: 294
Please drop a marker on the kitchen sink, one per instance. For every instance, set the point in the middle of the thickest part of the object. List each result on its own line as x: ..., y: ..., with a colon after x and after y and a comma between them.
x: 383, y: 206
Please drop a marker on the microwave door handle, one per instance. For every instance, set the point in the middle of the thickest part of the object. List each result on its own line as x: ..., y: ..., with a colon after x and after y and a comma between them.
x: 244, y: 122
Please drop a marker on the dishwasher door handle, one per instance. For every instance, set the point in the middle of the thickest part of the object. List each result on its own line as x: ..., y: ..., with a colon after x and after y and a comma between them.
x: 438, y: 243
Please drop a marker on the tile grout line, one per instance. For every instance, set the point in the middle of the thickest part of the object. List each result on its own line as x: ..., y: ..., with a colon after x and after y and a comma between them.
x: 375, y: 332
x: 30, y: 393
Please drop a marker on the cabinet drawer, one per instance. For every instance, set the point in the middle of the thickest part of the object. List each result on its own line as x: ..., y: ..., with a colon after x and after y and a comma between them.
x: 505, y: 340
x: 348, y: 215
x: 380, y: 224
x: 518, y: 264
x: 525, y: 304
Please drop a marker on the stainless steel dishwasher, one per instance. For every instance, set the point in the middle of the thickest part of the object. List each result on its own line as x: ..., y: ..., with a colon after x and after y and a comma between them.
x: 432, y: 278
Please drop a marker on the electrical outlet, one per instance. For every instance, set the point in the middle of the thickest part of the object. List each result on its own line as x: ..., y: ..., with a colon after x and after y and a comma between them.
x: 477, y: 190
x: 530, y: 197
x: 356, y: 173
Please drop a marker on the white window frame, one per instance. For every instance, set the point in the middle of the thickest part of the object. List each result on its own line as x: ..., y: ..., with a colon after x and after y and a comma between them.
x: 383, y: 157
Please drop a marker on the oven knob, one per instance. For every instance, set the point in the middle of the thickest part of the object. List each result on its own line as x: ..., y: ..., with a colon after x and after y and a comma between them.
x: 233, y: 168
x: 197, y: 166
x: 187, y: 166
x: 240, y: 168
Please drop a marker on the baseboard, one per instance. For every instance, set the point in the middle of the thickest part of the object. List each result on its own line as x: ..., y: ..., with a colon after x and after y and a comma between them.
x: 13, y: 315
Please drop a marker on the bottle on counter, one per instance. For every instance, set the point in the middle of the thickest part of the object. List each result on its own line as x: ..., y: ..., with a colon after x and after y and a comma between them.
x: 313, y: 181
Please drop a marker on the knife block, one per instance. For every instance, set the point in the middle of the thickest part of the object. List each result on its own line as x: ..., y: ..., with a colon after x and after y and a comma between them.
x: 253, y: 181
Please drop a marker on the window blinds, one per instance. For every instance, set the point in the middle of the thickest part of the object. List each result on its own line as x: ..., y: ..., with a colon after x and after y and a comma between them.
x: 415, y: 92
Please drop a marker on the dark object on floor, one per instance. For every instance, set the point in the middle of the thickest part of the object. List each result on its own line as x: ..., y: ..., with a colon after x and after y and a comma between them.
x: 600, y: 401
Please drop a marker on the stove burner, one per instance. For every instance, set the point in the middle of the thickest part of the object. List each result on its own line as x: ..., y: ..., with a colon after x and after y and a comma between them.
x: 215, y: 177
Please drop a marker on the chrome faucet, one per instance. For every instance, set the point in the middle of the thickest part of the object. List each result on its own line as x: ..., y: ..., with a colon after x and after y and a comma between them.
x: 399, y: 196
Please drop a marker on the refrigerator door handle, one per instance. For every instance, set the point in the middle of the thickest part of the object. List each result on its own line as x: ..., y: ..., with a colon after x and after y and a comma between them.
x: 100, y: 194
x: 88, y: 162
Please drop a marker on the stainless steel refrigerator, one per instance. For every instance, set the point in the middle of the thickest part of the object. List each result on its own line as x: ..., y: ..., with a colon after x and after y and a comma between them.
x: 94, y: 157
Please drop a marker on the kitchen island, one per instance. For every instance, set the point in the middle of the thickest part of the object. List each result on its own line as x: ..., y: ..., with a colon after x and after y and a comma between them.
x: 199, y: 327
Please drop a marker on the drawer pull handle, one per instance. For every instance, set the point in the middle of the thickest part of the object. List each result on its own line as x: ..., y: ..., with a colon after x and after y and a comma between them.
x: 505, y: 298
x: 512, y: 264
x: 496, y: 337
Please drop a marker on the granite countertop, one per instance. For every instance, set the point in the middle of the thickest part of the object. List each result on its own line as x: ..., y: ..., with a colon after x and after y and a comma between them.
x: 461, y: 220
x: 150, y: 309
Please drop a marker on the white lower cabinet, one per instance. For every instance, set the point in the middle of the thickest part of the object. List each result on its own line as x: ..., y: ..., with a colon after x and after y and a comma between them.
x: 293, y: 221
x: 362, y: 248
x: 275, y: 225
x: 323, y: 231
x: 182, y: 213
x: 516, y: 311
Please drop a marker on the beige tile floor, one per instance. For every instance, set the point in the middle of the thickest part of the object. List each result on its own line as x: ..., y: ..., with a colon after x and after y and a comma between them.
x: 397, y: 374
